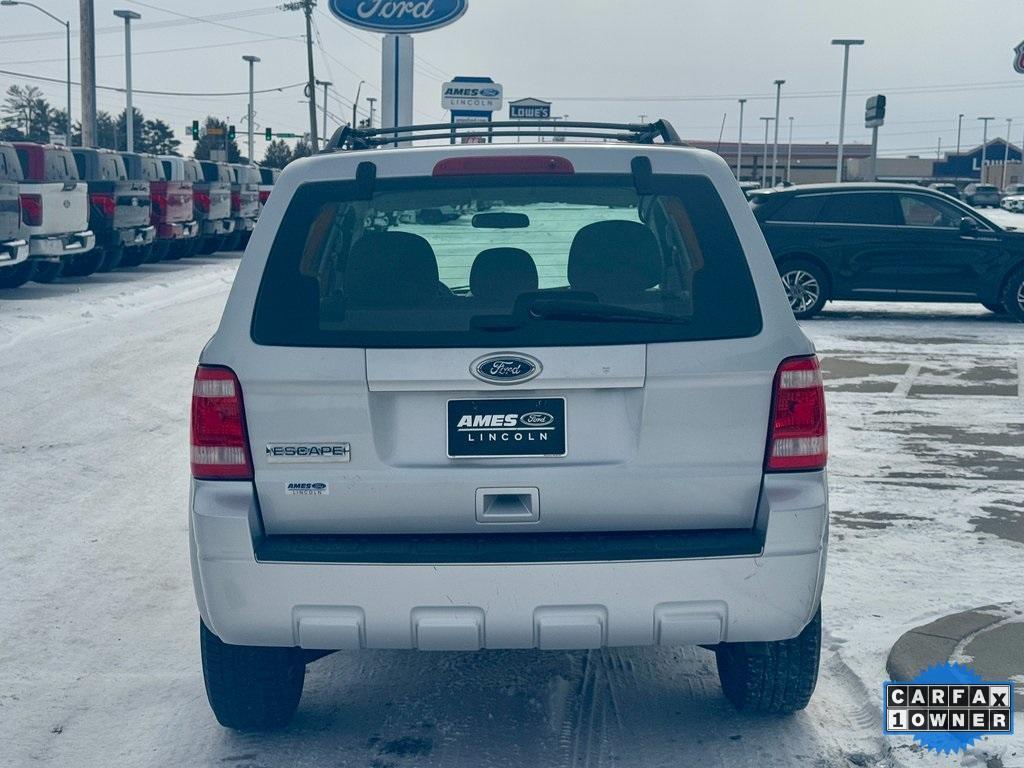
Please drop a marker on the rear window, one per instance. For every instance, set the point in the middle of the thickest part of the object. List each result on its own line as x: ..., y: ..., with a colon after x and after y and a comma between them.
x: 10, y: 167
x: 505, y: 261
x: 267, y: 175
x: 860, y: 208
x: 59, y: 165
x: 984, y: 188
x: 193, y: 171
x: 152, y: 170
x: 112, y: 167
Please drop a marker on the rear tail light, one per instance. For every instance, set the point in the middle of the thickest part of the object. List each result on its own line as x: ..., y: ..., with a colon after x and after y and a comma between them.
x: 504, y: 165
x: 264, y: 196
x: 220, y: 446
x: 798, y: 439
x: 236, y: 201
x: 201, y: 200
x: 159, y: 203
x: 32, y: 210
x: 104, y: 203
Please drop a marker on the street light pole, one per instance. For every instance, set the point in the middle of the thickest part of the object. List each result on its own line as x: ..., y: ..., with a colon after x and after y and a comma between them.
x: 846, y: 43
x: 984, y: 144
x: 253, y: 60
x: 775, y: 146
x: 739, y: 146
x: 372, y: 101
x: 1006, y: 151
x: 789, y: 154
x: 326, y: 84
x: 129, y: 115
x: 764, y: 155
x: 67, y: 30
x: 959, y: 126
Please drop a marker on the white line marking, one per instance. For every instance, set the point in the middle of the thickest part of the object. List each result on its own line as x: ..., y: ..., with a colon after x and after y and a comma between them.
x: 1020, y: 378
x: 903, y: 388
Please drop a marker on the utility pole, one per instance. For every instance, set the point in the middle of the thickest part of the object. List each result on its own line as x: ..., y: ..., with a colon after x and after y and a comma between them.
x: 775, y: 146
x: 959, y: 126
x: 326, y: 84
x: 372, y: 101
x: 306, y: 6
x: 1006, y: 152
x: 355, y: 105
x: 764, y: 156
x: 252, y: 65
x: 984, y: 144
x: 846, y: 43
x: 789, y: 154
x: 129, y: 113
x: 739, y: 146
x: 87, y: 43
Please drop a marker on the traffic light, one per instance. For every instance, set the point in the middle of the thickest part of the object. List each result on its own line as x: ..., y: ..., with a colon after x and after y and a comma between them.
x: 269, y: 134
x: 195, y: 130
x: 231, y: 133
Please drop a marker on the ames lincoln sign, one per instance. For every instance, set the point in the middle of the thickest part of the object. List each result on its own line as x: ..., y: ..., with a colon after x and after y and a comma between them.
x: 398, y: 16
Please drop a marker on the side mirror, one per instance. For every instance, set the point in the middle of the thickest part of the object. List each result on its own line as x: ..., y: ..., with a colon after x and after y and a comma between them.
x: 968, y: 226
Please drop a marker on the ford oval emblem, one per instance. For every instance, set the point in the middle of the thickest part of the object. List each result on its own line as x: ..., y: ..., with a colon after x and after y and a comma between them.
x: 537, y: 419
x: 507, y: 368
x: 490, y: 93
x: 398, y: 16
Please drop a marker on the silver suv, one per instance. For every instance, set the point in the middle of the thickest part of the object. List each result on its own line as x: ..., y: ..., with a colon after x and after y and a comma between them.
x: 576, y: 413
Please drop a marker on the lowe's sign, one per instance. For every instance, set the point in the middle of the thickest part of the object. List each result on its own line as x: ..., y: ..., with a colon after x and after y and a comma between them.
x: 398, y: 17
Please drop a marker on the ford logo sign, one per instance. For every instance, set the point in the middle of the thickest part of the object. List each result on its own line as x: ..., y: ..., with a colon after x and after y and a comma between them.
x: 536, y: 419
x: 490, y: 93
x: 398, y: 16
x: 509, y: 368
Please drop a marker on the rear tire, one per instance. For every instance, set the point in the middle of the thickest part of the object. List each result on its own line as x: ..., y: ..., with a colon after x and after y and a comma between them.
x: 47, y: 271
x: 806, y: 285
x: 82, y: 265
x: 771, y: 678
x: 1013, y: 296
x: 251, y: 688
x: 159, y: 252
x: 111, y: 259
x: 133, y: 256
x: 18, y: 275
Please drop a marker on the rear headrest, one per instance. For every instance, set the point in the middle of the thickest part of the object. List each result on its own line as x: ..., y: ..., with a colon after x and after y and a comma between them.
x: 391, y: 269
x: 614, y: 257
x: 501, y: 274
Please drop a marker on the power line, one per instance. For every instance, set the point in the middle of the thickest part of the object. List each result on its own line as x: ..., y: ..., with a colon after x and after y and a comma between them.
x: 205, y: 20
x: 151, y: 93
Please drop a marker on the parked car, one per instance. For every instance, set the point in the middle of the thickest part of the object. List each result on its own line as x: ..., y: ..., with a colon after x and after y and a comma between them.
x: 749, y: 186
x: 557, y: 444
x: 118, y: 212
x: 888, y: 242
x: 14, y: 267
x: 982, y: 195
x: 268, y: 178
x: 54, y: 208
x: 245, y: 204
x: 212, y: 198
x: 170, y: 207
x: 1013, y: 203
x: 1014, y: 189
x: 947, y: 189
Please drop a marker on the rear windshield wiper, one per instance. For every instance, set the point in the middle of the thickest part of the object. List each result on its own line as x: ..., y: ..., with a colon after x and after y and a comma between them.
x: 588, y: 311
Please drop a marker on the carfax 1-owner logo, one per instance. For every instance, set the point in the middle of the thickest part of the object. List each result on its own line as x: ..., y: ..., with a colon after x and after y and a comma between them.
x: 947, y: 707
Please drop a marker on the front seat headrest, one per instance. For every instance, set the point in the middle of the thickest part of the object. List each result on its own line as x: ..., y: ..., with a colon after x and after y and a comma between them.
x: 614, y: 257
x: 501, y: 274
x: 391, y: 269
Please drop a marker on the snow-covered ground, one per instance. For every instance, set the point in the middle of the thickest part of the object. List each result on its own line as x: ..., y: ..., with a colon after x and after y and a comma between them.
x: 99, y: 662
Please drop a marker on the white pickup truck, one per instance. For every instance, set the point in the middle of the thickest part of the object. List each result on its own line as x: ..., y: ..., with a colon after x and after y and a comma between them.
x: 54, y: 207
x: 14, y: 269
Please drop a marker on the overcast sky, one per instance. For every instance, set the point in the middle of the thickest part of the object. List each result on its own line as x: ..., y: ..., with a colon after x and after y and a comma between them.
x: 686, y: 60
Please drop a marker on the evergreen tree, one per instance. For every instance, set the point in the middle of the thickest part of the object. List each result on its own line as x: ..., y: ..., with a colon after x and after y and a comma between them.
x: 208, y: 142
x: 279, y: 154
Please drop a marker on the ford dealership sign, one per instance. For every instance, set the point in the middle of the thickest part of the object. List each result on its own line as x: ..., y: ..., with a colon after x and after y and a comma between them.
x: 398, y: 17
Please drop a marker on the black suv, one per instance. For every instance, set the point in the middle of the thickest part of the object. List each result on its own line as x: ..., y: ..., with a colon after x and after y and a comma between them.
x: 888, y: 242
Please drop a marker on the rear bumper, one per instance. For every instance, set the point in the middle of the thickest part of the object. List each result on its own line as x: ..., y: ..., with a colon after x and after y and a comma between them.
x: 13, y: 252
x: 51, y: 247
x: 769, y: 595
x: 213, y: 227
x: 135, y: 236
x: 178, y: 230
x: 244, y: 225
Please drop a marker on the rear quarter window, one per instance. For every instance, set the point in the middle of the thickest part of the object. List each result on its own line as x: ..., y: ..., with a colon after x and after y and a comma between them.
x: 469, y: 262
x: 59, y: 165
x: 10, y: 167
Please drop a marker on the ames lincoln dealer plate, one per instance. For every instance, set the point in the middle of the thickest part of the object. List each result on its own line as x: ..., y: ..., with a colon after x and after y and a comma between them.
x: 518, y: 427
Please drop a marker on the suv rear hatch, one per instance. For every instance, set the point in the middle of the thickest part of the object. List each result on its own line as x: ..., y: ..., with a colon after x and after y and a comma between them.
x: 565, y: 355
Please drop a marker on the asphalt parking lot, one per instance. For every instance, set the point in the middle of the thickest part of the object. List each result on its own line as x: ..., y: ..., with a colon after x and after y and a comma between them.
x: 100, y: 662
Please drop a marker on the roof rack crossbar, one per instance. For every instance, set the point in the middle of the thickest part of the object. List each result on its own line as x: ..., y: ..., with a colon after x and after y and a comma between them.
x: 369, y: 138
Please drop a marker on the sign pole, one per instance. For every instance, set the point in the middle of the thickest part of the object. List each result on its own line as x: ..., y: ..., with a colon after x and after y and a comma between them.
x: 874, y: 153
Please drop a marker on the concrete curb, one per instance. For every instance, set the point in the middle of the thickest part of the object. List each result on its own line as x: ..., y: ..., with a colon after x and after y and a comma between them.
x: 935, y: 643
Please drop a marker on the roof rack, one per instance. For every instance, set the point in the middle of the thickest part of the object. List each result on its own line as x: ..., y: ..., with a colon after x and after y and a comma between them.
x: 347, y: 138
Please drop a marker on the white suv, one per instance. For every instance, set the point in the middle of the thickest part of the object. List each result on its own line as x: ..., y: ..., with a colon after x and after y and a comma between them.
x: 577, y: 414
